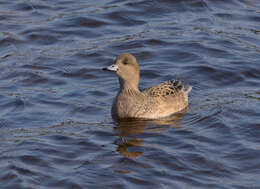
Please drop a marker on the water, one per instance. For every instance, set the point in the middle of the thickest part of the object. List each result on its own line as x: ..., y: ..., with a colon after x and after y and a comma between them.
x: 56, y: 127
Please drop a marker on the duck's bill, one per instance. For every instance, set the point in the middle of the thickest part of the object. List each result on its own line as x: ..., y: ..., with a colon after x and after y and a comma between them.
x: 112, y: 68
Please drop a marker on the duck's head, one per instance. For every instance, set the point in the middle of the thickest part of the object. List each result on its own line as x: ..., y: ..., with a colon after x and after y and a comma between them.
x: 126, y: 68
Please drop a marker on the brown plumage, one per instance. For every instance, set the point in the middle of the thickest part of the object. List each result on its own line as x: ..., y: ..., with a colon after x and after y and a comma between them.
x: 156, y: 102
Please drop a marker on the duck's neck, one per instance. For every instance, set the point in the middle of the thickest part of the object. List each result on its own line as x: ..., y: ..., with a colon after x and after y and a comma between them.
x: 126, y: 86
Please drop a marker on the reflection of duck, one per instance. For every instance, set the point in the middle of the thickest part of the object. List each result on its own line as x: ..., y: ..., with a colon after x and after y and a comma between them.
x: 156, y: 102
x: 129, y: 130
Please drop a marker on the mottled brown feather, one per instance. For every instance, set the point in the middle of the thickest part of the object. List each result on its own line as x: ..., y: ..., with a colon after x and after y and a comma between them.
x: 165, y: 89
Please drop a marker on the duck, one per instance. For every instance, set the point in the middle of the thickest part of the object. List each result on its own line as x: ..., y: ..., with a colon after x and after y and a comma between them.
x: 159, y: 101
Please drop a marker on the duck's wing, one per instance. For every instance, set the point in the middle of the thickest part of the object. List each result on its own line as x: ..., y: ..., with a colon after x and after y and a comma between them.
x: 168, y: 88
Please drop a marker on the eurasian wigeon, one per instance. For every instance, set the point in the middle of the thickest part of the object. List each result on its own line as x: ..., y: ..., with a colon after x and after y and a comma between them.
x: 159, y: 101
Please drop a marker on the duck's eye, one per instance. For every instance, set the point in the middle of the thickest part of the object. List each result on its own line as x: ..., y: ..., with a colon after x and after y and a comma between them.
x: 125, y: 62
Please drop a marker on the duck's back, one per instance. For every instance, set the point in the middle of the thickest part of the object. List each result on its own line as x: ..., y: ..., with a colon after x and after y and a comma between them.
x: 168, y: 98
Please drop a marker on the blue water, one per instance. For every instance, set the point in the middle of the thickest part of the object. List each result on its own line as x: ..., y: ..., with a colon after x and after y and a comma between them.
x: 56, y: 127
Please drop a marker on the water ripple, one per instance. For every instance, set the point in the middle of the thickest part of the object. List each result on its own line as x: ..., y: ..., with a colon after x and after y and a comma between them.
x: 56, y: 127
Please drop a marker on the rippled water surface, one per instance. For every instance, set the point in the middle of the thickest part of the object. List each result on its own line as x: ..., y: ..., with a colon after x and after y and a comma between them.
x: 56, y: 127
